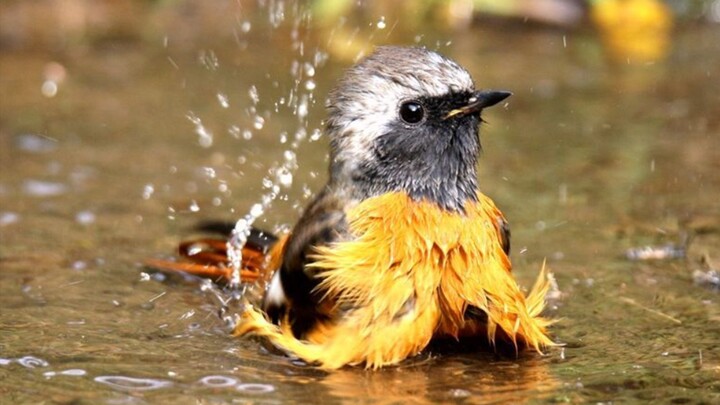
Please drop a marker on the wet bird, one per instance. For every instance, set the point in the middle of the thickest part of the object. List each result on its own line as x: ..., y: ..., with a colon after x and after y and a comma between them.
x: 400, y: 246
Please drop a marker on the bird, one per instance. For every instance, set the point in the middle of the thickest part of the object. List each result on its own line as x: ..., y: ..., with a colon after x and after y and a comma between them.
x: 400, y: 247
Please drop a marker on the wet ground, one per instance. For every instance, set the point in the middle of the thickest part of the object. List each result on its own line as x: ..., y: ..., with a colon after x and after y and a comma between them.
x: 112, y: 148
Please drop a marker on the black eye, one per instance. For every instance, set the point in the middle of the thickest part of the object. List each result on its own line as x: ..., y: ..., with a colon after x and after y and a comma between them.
x: 412, y: 112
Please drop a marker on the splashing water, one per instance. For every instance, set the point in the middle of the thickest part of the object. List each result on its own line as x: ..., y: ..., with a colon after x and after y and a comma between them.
x: 298, y: 100
x: 205, y: 137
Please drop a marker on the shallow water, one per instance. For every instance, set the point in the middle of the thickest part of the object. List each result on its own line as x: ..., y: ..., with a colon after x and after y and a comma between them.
x: 588, y: 159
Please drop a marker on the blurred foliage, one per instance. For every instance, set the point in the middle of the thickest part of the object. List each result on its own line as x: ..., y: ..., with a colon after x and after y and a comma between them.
x: 638, y: 30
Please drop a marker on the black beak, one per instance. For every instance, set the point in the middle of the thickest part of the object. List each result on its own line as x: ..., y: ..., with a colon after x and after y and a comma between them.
x: 478, y: 101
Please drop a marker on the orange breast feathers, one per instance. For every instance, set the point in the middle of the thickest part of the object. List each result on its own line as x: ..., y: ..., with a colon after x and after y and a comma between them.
x: 410, y: 274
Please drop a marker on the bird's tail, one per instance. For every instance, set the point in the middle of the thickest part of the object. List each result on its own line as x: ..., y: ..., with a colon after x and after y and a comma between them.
x: 208, y: 257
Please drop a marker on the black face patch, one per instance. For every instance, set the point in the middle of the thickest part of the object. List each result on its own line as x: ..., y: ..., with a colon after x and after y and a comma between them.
x: 439, y: 107
x: 433, y: 160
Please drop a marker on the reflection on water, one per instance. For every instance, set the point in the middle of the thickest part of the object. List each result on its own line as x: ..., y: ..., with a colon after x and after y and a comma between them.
x: 75, y: 372
x: 101, y: 168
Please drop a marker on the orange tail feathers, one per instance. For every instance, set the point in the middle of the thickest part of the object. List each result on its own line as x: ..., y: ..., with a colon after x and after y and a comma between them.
x: 208, y: 258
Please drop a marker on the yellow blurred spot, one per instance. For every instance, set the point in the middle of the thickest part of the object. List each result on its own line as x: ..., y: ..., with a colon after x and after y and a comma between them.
x: 634, y: 30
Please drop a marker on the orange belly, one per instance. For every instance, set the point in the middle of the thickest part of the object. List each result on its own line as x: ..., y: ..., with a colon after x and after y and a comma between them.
x: 408, y: 275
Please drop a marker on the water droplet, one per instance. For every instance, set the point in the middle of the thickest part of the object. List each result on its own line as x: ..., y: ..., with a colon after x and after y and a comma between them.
x: 209, y: 172
x: 381, y: 24
x: 290, y: 156
x: 309, y: 69
x: 234, y: 131
x: 194, y: 207
x: 245, y: 26
x: 205, y: 137
x: 209, y: 60
x: 284, y: 177
x: 315, y: 135
x: 320, y: 58
x: 247, y: 135
x: 49, y: 88
x: 218, y: 381
x: 259, y: 122
x: 132, y: 384
x: 256, y: 210
x: 276, y: 13
x: 254, y: 95
x: 148, y: 191
x: 223, y: 100
x: 302, y: 108
x: 307, y: 191
x: 310, y: 85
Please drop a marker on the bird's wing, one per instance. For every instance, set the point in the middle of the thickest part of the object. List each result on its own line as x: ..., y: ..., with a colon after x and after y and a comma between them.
x: 504, y: 231
x: 293, y: 290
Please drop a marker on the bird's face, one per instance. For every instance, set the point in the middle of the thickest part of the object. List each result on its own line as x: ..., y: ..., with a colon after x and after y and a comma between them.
x: 406, y: 119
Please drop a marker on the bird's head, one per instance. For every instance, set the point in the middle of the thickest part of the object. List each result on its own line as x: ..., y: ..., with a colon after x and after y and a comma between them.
x: 406, y: 119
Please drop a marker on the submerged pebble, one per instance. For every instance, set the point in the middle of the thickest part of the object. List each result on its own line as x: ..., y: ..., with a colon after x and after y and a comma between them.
x: 709, y: 278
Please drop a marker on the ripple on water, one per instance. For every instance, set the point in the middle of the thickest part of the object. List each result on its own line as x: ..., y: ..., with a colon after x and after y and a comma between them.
x: 254, y: 388
x: 218, y: 381
x: 123, y: 383
x: 73, y: 372
x: 32, y: 362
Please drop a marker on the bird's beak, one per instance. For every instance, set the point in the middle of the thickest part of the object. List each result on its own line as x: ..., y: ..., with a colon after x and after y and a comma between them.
x: 478, y: 101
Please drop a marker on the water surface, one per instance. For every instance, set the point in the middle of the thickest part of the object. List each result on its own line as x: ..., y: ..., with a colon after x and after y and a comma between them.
x: 588, y: 159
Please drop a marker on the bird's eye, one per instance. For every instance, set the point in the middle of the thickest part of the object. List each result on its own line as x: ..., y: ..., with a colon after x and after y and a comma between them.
x: 412, y: 112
